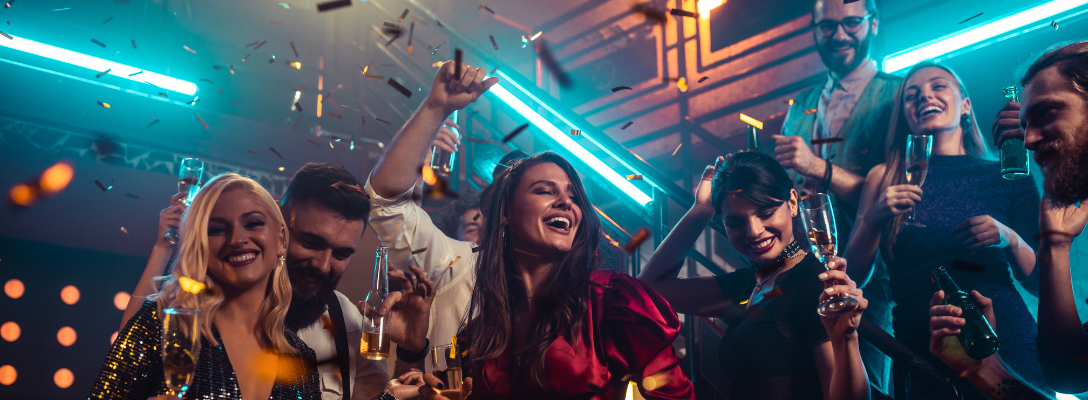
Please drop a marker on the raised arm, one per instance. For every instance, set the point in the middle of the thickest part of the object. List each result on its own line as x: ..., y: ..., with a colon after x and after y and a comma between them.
x: 169, y: 217
x: 694, y: 295
x: 1063, y: 344
x: 875, y: 209
x: 399, y: 168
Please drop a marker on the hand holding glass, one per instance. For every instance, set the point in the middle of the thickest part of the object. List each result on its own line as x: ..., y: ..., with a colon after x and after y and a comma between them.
x: 916, y: 159
x: 189, y: 183
x: 819, y: 220
x: 180, y: 347
x: 446, y: 366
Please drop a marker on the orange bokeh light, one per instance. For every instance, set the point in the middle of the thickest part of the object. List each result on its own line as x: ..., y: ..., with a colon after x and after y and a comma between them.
x: 10, y: 331
x: 14, y: 288
x: 23, y: 195
x: 120, y: 300
x: 113, y: 337
x: 8, y: 375
x: 66, y: 336
x: 56, y: 178
x: 63, y: 378
x: 69, y: 295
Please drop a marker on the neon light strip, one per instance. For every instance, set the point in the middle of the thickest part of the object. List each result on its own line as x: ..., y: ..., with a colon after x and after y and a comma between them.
x: 99, y: 65
x: 536, y: 119
x: 976, y: 35
x: 129, y: 91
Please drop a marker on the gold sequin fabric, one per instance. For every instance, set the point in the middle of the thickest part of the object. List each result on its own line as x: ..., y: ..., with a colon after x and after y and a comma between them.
x: 133, y: 368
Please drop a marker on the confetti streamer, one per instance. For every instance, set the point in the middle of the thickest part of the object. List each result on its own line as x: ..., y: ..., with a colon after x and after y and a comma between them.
x: 134, y: 43
x: 514, y: 133
x: 232, y: 67
x: 298, y: 107
x: 108, y: 20
x: 334, y: 115
x: 132, y: 196
x: 100, y: 74
x: 682, y: 13
x: 190, y: 50
x: 650, y: 13
x: 255, y: 42
x: 414, y: 252
x: 457, y: 64
x: 575, y: 132
x: 383, y: 121
x: 293, y: 49
x: 98, y: 43
x: 402, y: 15
x: 703, y: 79
x: 493, y: 44
x: 245, y: 58
x: 273, y: 149
x: 976, y: 16
x: 636, y: 241
x: 828, y: 140
x: 486, y: 8
x: 135, y: 73
x: 400, y: 88
x: 677, y: 149
x: 411, y: 31
x: 619, y: 88
x: 202, y: 121
x: 7, y: 35
x: 273, y: 59
x: 104, y: 105
x: 626, y: 125
x: 536, y: 36
x: 394, y: 39
x: 634, y: 177
x: 101, y: 186
x: 123, y: 230
x: 810, y: 111
x: 296, y: 126
x: 191, y: 286
x: 259, y: 45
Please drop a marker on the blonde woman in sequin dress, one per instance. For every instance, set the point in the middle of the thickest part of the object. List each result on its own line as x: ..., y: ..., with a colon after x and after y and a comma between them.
x: 233, y: 240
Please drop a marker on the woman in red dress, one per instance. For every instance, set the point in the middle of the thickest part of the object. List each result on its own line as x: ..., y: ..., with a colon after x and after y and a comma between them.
x: 546, y: 322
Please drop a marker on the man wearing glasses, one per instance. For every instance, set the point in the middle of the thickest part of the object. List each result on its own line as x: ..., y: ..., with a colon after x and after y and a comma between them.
x: 835, y: 132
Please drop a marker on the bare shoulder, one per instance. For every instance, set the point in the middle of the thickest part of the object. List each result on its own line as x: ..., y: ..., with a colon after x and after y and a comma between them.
x: 876, y: 173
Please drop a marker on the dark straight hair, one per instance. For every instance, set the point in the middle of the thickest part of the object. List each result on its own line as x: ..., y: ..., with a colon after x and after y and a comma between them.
x: 332, y: 186
x: 759, y: 179
x: 1072, y: 62
x: 499, y: 289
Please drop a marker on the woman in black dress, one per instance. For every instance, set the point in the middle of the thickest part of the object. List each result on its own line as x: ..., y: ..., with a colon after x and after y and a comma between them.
x: 777, y: 346
x: 233, y: 240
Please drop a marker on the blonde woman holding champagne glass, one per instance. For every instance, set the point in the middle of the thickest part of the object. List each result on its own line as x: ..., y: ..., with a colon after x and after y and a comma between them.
x: 233, y: 241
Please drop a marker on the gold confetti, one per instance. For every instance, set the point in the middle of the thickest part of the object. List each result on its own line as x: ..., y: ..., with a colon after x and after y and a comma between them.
x: 455, y: 260
x: 339, y: 184
x: 751, y: 121
x: 634, y: 177
x: 191, y: 286
x: 281, y: 168
x: 677, y: 149
x: 536, y: 36
x: 810, y: 111
x: 790, y: 102
x: 104, y: 105
x: 453, y: 348
x: 124, y: 230
x: 190, y: 50
x: 682, y: 84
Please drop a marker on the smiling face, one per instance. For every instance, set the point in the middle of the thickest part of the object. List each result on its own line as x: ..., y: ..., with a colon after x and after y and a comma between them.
x: 841, y: 51
x: 543, y: 218
x: 933, y: 102
x: 244, y: 241
x: 322, y: 243
x: 1054, y: 116
x: 759, y: 233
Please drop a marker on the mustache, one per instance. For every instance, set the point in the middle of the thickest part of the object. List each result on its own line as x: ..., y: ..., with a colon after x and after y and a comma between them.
x: 830, y: 44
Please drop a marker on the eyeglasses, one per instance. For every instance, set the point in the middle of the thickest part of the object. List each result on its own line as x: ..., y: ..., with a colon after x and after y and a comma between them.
x: 849, y: 24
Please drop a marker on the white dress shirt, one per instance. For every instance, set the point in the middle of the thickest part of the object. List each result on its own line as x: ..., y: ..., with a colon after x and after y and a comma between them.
x: 370, y: 376
x: 837, y: 100
x: 405, y: 228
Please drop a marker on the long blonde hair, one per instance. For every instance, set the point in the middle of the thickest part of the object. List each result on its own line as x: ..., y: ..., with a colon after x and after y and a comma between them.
x: 192, y: 263
x: 895, y: 172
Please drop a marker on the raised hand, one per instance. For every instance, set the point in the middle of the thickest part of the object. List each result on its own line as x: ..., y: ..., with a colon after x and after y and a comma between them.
x: 793, y: 153
x: 1007, y: 124
x: 945, y: 324
x: 896, y: 200
x: 983, y: 231
x: 431, y: 390
x: 407, y: 311
x: 450, y: 93
x: 170, y: 218
x: 703, y: 196
x: 845, y: 325
x: 1059, y: 225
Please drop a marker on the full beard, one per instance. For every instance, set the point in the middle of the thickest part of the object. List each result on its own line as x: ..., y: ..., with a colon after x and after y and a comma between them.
x: 861, y: 52
x: 305, y: 309
x: 1066, y: 181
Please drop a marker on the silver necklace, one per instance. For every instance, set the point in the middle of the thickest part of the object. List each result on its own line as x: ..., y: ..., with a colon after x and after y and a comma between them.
x: 791, y: 251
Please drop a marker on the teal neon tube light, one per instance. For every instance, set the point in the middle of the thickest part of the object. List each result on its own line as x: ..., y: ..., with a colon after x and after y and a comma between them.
x: 969, y: 37
x: 99, y: 65
x: 553, y: 132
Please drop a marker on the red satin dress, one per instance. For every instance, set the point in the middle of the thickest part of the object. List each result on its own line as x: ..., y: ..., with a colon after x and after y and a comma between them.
x: 629, y: 333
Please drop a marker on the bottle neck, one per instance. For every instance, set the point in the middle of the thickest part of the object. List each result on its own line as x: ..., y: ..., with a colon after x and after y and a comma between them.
x: 945, y: 282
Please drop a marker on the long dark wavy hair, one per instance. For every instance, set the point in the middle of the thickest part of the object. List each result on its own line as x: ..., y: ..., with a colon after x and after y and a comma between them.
x: 561, y: 308
x: 758, y: 178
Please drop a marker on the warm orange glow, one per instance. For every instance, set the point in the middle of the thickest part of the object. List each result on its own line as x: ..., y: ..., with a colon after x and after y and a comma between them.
x: 7, y: 375
x: 319, y: 105
x: 428, y: 175
x: 23, y: 195
x: 56, y: 178
x: 63, y: 378
x: 320, y: 83
x: 120, y: 300
x: 69, y: 295
x: 706, y: 5
x: 10, y: 331
x: 14, y: 288
x: 297, y: 65
x: 281, y: 168
x: 66, y: 336
x: 751, y: 121
x: 113, y: 337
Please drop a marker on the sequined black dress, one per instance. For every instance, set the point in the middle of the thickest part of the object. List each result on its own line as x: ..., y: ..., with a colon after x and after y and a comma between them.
x: 133, y: 368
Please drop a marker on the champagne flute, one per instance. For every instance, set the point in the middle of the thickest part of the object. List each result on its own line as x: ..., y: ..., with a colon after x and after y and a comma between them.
x: 919, y: 147
x: 189, y: 183
x: 819, y: 221
x: 180, y: 347
x: 441, y: 160
x: 446, y: 366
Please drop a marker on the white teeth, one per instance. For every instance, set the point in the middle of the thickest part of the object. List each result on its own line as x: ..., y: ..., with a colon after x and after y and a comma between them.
x: 761, y: 244
x: 243, y: 257
x: 928, y: 109
x: 565, y: 221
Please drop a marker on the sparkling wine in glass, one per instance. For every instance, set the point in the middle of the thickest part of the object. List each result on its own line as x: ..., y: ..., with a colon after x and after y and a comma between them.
x: 189, y: 183
x: 919, y: 147
x: 180, y: 347
x: 441, y: 160
x: 446, y: 366
x: 819, y: 221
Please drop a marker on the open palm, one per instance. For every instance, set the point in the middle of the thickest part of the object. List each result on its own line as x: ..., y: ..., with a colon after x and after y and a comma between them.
x: 1061, y: 223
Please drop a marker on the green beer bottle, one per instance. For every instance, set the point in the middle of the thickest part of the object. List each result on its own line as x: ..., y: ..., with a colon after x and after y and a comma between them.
x: 1014, y: 157
x: 976, y: 336
x: 753, y: 138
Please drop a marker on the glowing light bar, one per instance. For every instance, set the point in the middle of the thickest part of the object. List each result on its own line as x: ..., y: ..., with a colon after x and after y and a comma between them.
x: 978, y: 34
x: 98, y: 64
x: 751, y: 121
x: 554, y: 133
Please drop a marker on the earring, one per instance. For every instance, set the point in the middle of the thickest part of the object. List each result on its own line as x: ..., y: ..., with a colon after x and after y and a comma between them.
x: 282, y: 262
x: 965, y: 121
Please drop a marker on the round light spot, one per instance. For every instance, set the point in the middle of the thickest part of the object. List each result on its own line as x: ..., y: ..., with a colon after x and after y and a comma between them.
x: 120, y: 300
x: 63, y: 378
x: 56, y: 178
x: 66, y: 336
x: 23, y: 195
x: 8, y: 375
x: 10, y: 331
x: 69, y: 295
x: 14, y: 288
x: 113, y: 337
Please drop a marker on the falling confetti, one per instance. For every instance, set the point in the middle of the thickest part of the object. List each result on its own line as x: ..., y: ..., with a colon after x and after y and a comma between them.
x: 436, y: 48
x: 493, y: 44
x: 95, y: 41
x: 394, y: 39
x: 619, y: 88
x: 536, y: 36
x: 62, y: 9
x: 202, y: 121
x: 651, y: 13
x: 191, y: 286
x: 103, y: 187
x: 254, y: 42
x: 259, y: 45
x: 411, y: 31
x: 190, y: 50
x: 634, y: 177
x: 810, y: 111
x: 826, y: 141
x: 296, y: 126
x: 100, y: 74
x: 703, y: 79
x: 383, y: 121
x: 553, y: 66
x: 334, y: 115
x: 636, y: 241
x: 7, y: 35
x: 273, y: 150
x: 207, y: 80
x: 245, y: 58
x: 400, y: 88
x: 1054, y: 24
x: 575, y: 132
x: 285, y: 5
x: 132, y: 196
x: 108, y: 20
x: 153, y: 121
x: 104, y: 105
x: 134, y: 43
x: 486, y: 8
x: 402, y: 15
x: 514, y: 133
x: 135, y: 73
x: 232, y: 67
x: 976, y: 16
x: 677, y: 149
x: 682, y: 84
x: 751, y: 121
x: 682, y: 13
x: 625, y: 126
x: 123, y: 230
x: 273, y: 59
x: 298, y: 107
x: 457, y: 64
